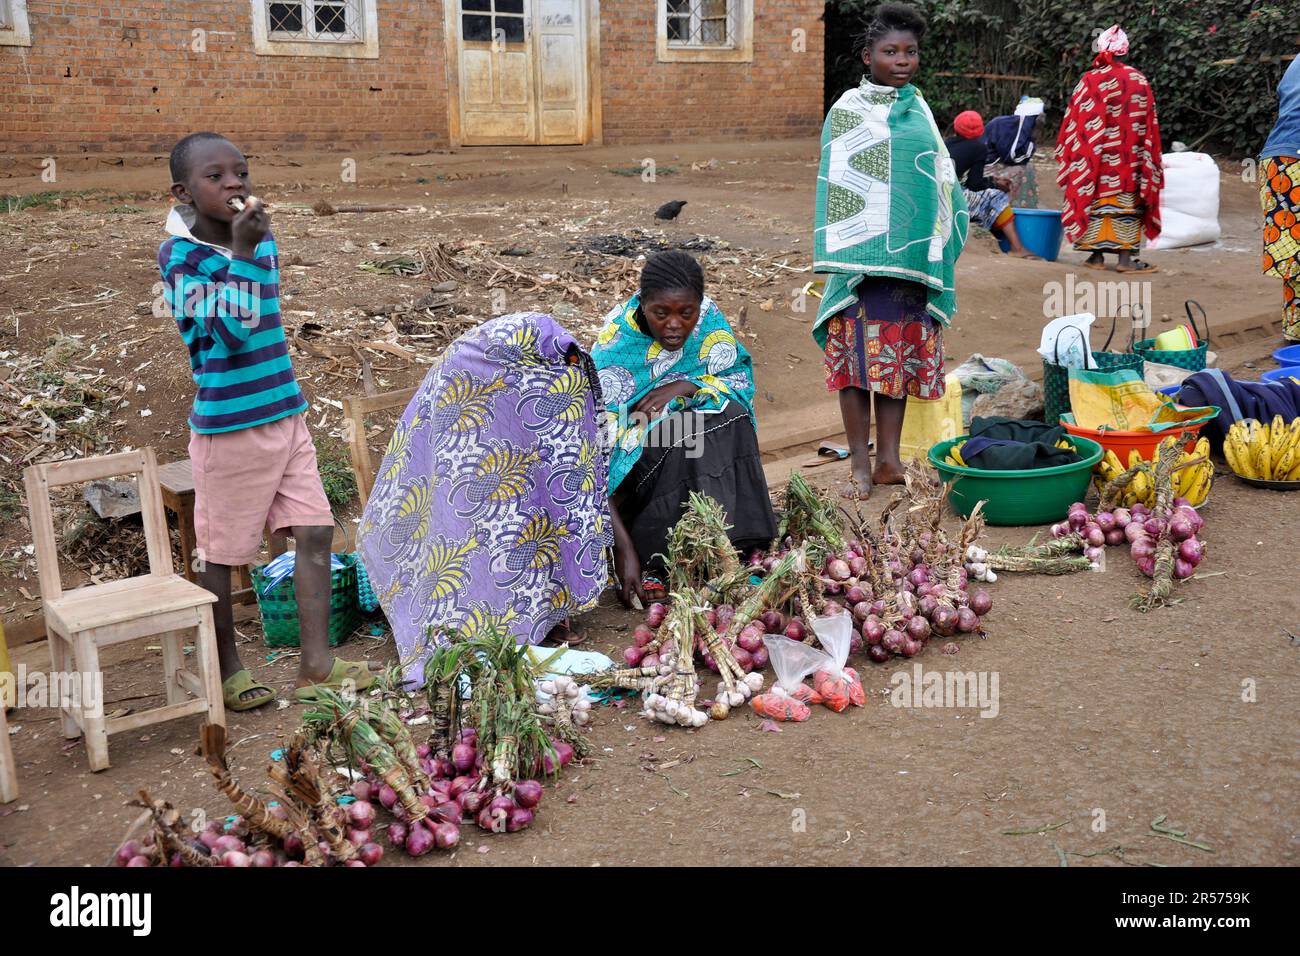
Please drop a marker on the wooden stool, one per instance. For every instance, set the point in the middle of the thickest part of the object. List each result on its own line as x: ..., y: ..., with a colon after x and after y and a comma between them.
x: 160, y: 604
x: 176, y: 480
x: 8, y: 769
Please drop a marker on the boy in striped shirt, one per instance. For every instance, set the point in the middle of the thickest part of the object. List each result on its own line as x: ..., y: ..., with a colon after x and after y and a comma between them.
x: 254, y: 461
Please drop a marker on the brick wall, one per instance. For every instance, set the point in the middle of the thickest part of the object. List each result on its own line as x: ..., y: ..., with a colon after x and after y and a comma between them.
x: 779, y: 94
x: 82, y: 87
x: 122, y: 78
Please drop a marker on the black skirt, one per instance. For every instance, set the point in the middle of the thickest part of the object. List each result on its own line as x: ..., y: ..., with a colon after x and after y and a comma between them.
x: 716, y: 455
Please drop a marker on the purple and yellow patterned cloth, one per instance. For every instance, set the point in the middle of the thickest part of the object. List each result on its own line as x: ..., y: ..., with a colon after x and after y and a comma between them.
x: 490, y: 507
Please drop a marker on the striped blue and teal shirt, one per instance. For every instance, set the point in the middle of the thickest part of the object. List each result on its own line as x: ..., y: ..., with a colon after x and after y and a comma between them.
x: 227, y: 308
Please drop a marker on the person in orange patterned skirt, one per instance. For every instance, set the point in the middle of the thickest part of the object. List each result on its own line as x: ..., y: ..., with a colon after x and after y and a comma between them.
x: 1279, y: 195
x: 1109, y: 159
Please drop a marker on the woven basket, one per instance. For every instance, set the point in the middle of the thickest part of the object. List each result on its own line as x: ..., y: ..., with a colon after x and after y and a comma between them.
x: 1056, y: 377
x: 1193, y: 360
x: 279, y: 607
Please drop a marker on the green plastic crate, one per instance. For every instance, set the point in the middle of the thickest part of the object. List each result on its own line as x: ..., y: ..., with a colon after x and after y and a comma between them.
x: 279, y: 607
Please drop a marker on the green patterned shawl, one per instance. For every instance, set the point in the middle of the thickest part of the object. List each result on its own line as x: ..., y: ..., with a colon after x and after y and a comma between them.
x: 888, y: 201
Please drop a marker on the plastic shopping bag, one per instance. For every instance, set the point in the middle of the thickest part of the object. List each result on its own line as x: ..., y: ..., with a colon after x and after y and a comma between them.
x: 837, y: 686
x: 1066, y: 341
x: 792, y: 661
x: 1120, y: 399
x: 928, y: 422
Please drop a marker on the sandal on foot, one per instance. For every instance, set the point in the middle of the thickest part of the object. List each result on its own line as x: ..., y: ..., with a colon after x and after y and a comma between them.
x: 1137, y: 265
x: 234, y: 687
x: 358, y: 673
x: 572, y: 637
x: 1098, y: 266
x: 653, y: 589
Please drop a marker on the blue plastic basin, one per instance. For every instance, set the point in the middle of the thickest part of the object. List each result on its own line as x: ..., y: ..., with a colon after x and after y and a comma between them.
x: 1277, y: 374
x: 1041, y: 231
x: 1290, y: 355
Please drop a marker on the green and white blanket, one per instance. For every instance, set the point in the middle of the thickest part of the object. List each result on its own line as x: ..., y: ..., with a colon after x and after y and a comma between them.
x: 888, y: 201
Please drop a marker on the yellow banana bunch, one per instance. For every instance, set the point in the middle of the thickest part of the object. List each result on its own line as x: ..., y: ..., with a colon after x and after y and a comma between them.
x: 1193, y: 482
x: 954, y: 456
x: 1267, y: 451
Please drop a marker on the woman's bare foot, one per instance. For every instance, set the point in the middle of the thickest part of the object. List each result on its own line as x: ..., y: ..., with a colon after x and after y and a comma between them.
x: 1096, y: 261
x: 886, y: 473
x: 858, y: 487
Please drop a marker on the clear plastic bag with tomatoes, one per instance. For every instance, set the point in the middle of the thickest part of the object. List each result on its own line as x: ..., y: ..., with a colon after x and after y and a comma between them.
x: 789, y: 697
x: 836, y: 685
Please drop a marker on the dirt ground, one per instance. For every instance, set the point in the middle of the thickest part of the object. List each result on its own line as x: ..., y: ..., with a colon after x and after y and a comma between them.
x: 1101, y: 710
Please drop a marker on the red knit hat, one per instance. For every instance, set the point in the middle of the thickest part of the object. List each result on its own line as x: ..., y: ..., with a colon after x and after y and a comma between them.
x: 969, y: 125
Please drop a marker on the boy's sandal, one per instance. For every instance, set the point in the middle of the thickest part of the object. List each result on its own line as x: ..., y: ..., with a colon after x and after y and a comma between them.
x: 1137, y: 265
x: 234, y: 687
x: 359, y: 674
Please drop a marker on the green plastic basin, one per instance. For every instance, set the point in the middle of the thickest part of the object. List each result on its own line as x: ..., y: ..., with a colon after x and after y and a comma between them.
x: 1038, y: 496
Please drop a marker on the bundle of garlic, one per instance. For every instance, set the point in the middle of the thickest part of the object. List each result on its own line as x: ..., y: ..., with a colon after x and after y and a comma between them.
x: 729, y: 697
x: 564, y: 696
x: 977, y: 565
x: 668, y: 710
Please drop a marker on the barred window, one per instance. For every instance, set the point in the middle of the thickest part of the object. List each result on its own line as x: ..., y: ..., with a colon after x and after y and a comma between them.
x: 703, y: 31
x: 330, y: 28
x: 336, y: 21
x: 697, y: 23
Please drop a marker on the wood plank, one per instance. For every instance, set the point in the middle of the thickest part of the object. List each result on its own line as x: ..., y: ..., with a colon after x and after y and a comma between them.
x: 148, y: 625
x: 156, y: 538
x: 152, y: 598
x: 58, y: 473
x: 25, y: 631
x: 365, y: 404
x: 177, y: 477
x: 41, y: 519
x: 191, y: 682
x: 8, y: 769
x: 155, y: 716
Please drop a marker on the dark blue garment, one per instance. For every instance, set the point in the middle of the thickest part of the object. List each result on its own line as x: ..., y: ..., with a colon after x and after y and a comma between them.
x: 1238, y: 400
x: 1011, y: 139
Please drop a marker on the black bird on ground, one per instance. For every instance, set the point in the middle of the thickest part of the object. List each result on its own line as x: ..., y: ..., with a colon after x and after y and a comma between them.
x: 669, y: 210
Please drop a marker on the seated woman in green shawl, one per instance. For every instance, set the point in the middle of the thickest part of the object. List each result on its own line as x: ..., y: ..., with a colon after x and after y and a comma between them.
x: 678, y: 389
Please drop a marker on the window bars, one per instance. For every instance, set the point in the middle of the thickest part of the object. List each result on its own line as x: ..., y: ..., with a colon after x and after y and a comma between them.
x: 338, y: 21
x: 701, y: 23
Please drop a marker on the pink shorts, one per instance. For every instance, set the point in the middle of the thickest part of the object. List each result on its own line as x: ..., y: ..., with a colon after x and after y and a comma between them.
x: 254, y: 480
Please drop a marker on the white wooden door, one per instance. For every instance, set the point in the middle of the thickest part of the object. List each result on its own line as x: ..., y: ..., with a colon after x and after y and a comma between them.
x: 522, y: 71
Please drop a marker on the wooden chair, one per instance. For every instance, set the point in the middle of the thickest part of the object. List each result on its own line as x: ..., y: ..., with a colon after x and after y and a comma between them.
x: 8, y: 769
x: 159, y: 604
x: 355, y: 410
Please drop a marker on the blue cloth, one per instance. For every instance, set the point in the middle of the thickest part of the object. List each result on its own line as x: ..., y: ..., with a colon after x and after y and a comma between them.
x: 1238, y: 400
x: 1285, y: 138
x: 1010, y: 139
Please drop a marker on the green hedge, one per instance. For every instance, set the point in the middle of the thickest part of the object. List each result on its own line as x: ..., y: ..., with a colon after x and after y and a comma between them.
x: 1229, y: 109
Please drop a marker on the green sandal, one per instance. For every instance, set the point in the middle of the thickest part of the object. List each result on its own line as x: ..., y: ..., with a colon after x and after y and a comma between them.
x: 234, y: 687
x: 359, y: 674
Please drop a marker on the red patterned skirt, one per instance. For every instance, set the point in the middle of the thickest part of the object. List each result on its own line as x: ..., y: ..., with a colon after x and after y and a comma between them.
x: 886, y: 343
